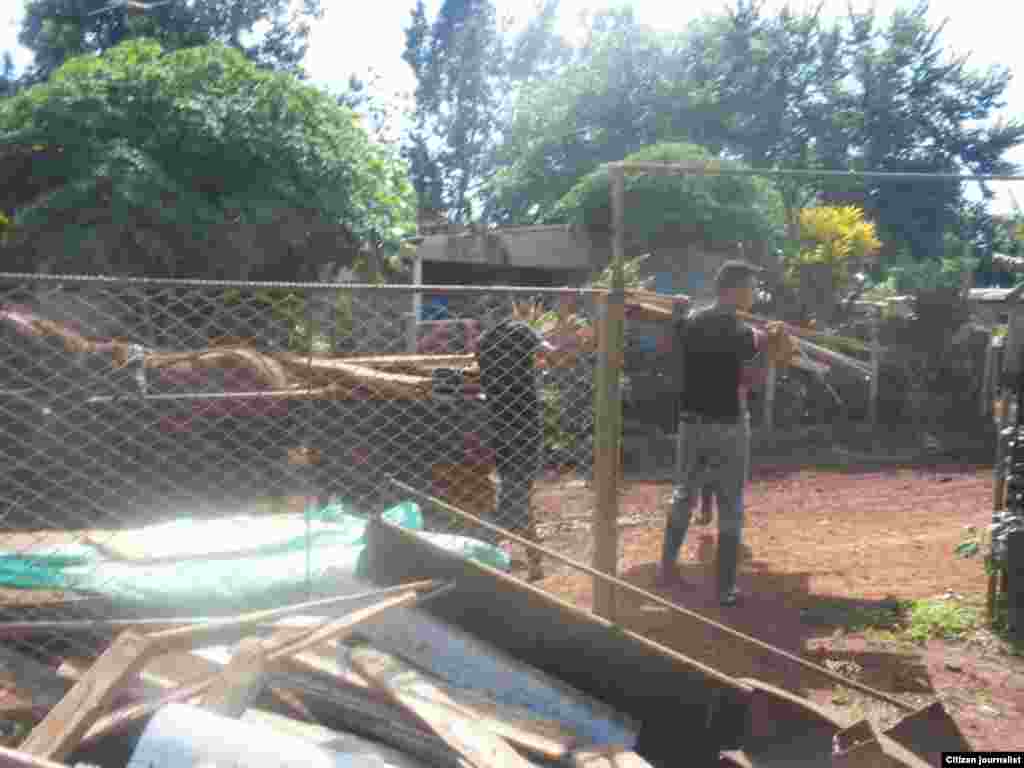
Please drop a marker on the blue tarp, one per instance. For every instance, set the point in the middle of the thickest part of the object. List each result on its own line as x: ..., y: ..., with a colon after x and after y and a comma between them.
x: 267, y: 555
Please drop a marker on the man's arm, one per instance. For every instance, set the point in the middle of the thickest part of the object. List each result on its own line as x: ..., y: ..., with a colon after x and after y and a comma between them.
x: 769, y: 346
x: 754, y: 361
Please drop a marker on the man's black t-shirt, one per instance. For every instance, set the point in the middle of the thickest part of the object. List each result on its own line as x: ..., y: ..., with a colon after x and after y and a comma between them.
x: 509, y: 380
x: 716, y: 346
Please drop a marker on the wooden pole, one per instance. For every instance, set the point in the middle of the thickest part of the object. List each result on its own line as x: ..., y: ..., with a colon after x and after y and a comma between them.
x: 876, y: 367
x: 417, y: 305
x: 768, y: 417
x: 985, y: 396
x: 608, y: 413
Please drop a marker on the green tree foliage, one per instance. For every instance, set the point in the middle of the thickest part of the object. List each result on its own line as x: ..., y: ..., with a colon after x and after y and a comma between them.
x: 364, y: 97
x: 763, y: 89
x: 273, y: 33
x: 861, y: 93
x: 714, y: 210
x: 468, y: 69
x: 458, y: 62
x: 617, y: 96
x: 787, y: 89
x: 8, y: 80
x: 220, y: 167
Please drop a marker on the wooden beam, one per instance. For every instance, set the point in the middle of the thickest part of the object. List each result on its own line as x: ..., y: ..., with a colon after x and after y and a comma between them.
x: 62, y: 729
x: 607, y: 757
x: 184, y: 638
x: 608, y: 412
x: 123, y: 718
x: 546, y: 738
x: 237, y: 687
x: 20, y: 629
x: 412, y: 691
x: 67, y: 723
x: 13, y: 758
x: 876, y: 371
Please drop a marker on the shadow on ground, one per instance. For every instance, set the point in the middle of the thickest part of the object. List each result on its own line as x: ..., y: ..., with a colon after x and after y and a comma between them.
x: 779, y: 609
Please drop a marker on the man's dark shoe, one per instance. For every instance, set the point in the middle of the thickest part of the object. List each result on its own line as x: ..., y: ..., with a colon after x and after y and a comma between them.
x: 730, y: 597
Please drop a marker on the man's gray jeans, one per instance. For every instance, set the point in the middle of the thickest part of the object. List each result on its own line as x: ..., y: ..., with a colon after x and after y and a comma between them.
x: 716, y: 455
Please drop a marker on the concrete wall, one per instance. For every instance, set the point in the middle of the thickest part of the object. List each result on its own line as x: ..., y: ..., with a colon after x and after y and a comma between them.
x: 552, y: 247
x: 687, y: 268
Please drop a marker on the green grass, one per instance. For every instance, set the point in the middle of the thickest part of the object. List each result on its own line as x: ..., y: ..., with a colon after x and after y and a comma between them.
x: 913, y: 620
x: 857, y: 618
x: 945, y: 619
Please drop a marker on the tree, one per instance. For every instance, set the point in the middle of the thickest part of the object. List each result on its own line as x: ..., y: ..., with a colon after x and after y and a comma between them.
x: 56, y: 30
x: 766, y: 85
x: 788, y: 90
x: 616, y: 97
x: 194, y: 163
x: 716, y: 211
x: 363, y: 96
x: 458, y: 62
x: 469, y: 69
x: 916, y: 106
x: 8, y: 80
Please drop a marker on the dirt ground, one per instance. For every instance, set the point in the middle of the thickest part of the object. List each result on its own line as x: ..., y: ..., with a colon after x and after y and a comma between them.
x: 822, y: 546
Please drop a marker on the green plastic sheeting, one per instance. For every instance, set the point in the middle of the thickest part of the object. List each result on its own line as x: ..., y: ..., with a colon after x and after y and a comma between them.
x: 280, y: 556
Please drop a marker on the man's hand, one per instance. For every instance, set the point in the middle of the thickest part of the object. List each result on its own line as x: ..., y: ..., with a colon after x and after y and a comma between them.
x: 780, y: 348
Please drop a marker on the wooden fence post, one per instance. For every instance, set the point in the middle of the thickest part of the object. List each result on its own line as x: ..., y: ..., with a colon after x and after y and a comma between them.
x: 608, y: 413
x: 768, y: 417
x: 876, y: 367
x: 412, y: 342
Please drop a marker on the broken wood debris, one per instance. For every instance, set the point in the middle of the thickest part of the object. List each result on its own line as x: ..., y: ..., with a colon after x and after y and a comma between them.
x: 70, y: 720
x: 480, y: 748
x: 280, y: 668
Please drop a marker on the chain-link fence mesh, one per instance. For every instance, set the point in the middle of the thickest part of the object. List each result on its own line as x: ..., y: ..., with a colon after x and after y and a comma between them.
x: 204, y: 448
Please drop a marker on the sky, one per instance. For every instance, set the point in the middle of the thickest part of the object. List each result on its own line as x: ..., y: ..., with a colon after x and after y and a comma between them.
x: 345, y: 43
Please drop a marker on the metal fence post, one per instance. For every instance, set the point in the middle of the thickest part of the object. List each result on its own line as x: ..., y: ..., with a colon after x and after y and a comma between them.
x: 608, y: 412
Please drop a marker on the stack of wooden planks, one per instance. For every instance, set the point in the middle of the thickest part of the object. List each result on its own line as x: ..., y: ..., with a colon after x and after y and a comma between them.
x: 280, y: 670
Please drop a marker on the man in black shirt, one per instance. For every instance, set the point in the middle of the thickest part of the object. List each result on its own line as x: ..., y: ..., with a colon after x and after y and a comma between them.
x: 508, y: 377
x: 719, y: 354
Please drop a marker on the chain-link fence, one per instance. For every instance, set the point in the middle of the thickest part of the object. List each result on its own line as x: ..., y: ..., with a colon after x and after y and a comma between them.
x: 188, y: 447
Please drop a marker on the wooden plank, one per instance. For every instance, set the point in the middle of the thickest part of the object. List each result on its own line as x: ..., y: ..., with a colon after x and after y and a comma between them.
x: 286, y: 645
x: 61, y: 730
x: 339, y: 706
x: 646, y: 681
x: 125, y: 717
x: 13, y: 758
x: 545, y: 738
x: 613, y: 756
x: 408, y: 688
x: 183, y: 638
x: 241, y: 681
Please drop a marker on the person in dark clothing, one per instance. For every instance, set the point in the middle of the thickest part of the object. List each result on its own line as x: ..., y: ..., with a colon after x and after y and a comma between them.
x: 720, y: 358
x: 506, y: 355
